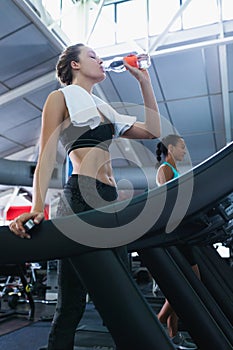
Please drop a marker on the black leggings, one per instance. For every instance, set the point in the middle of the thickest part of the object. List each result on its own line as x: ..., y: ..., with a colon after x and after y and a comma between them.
x: 82, y: 193
x: 71, y: 291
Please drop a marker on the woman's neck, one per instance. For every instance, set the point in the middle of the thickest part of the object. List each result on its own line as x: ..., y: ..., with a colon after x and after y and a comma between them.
x: 170, y: 159
x: 83, y: 84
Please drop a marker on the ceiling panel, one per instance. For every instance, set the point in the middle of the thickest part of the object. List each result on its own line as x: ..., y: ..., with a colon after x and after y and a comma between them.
x: 39, y: 96
x: 150, y: 145
x: 218, y: 121
x: 156, y: 83
x: 230, y: 66
x: 23, y: 50
x: 36, y: 70
x: 200, y: 147
x: 191, y: 115
x: 9, y: 147
x: 108, y: 89
x: 164, y: 110
x: 11, y: 18
x: 3, y: 89
x: 16, y: 113
x: 29, y: 52
x: 182, y: 75
x: 127, y: 89
x: 26, y: 133
x: 211, y: 63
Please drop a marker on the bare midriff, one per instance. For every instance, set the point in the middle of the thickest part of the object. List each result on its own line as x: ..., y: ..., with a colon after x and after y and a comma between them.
x: 93, y: 162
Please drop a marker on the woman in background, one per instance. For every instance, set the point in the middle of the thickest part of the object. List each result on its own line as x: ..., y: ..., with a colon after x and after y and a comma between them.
x: 171, y: 150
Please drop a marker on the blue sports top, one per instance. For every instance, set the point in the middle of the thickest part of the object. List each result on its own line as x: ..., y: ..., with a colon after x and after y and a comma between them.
x: 175, y: 172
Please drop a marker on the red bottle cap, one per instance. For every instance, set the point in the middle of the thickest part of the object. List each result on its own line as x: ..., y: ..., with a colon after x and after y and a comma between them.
x: 132, y: 60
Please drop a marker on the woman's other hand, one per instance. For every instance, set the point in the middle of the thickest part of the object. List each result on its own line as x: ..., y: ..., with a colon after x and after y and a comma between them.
x: 17, y: 225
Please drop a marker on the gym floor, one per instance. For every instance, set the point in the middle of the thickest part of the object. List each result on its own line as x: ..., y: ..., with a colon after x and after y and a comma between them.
x: 15, y: 312
x: 16, y: 327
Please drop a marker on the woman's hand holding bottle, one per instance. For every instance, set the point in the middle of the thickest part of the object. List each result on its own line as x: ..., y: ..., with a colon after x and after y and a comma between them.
x: 119, y: 64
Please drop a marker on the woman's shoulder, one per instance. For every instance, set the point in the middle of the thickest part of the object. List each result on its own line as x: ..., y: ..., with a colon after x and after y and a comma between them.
x: 163, y: 166
x: 55, y: 95
x: 56, y: 102
x: 164, y: 173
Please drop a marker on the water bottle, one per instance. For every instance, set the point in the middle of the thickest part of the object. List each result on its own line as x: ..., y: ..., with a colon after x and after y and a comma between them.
x: 116, y: 65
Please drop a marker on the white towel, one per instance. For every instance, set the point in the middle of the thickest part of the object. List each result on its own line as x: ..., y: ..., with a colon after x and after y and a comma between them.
x: 83, y: 110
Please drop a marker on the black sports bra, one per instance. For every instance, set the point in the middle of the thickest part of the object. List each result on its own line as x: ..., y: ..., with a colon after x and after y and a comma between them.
x: 74, y: 137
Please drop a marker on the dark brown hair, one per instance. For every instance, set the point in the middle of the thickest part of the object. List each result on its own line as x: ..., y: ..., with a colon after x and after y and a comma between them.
x: 162, y: 147
x: 63, y: 67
